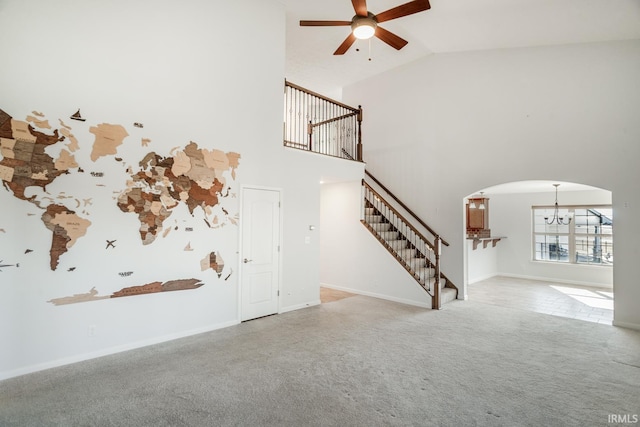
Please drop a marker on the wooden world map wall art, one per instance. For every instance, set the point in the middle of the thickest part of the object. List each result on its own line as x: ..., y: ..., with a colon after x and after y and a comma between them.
x: 149, y: 288
x: 189, y: 176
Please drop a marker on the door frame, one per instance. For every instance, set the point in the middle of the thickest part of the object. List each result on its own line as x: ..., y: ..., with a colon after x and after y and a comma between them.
x: 241, y: 249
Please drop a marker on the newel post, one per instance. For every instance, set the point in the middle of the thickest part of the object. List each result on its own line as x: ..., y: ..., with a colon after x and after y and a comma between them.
x: 436, y: 282
x: 363, y: 198
x: 359, y: 146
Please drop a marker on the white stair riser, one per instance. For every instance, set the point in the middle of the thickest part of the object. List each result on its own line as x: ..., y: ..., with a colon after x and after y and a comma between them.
x: 389, y: 235
x: 447, y: 295
x: 431, y: 281
x: 380, y: 226
x: 373, y: 219
x: 397, y: 245
x: 416, y: 264
x: 407, y: 254
x: 425, y: 273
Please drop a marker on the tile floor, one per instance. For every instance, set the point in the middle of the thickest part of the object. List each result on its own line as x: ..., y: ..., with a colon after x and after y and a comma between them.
x: 559, y: 299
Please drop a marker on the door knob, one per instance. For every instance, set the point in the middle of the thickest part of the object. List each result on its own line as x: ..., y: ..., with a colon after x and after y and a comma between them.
x: 247, y: 260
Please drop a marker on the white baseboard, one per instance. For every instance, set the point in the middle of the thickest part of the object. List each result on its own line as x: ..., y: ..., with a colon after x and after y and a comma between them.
x: 299, y: 306
x: 627, y: 325
x: 379, y: 296
x: 485, y: 277
x: 551, y: 279
x: 112, y: 350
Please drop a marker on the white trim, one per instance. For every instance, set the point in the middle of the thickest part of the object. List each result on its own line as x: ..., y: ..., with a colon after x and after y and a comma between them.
x: 299, y: 306
x: 280, y: 243
x: 381, y: 296
x: 112, y: 350
x: 485, y: 277
x: 569, y: 264
x: 553, y: 279
x: 627, y: 325
x: 571, y: 234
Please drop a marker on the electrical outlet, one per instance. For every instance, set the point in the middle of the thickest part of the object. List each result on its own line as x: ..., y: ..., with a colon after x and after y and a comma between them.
x: 91, y: 331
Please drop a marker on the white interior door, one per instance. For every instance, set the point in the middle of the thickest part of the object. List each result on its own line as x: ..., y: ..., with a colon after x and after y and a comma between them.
x: 260, y: 258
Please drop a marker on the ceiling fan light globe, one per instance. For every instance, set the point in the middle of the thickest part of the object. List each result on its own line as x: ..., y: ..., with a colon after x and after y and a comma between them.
x: 364, y: 28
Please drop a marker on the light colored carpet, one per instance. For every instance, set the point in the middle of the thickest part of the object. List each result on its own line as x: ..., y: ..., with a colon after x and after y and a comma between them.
x: 359, y: 361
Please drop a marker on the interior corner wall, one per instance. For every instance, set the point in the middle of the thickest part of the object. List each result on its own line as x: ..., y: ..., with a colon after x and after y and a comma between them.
x: 443, y: 127
x: 305, y: 225
x: 184, y: 72
x: 352, y: 259
x: 482, y: 262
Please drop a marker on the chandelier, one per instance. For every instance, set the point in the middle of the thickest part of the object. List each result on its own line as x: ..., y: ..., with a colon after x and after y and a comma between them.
x: 556, y: 217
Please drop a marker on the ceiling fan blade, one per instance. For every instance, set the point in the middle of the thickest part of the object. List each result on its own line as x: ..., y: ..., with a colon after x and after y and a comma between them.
x: 403, y: 10
x: 323, y: 23
x: 391, y: 39
x: 360, y: 6
x: 346, y: 44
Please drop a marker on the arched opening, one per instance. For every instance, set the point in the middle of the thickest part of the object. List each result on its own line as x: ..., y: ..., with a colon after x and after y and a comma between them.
x: 536, y: 256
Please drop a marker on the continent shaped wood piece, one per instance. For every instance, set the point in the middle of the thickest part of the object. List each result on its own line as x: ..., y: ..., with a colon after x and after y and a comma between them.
x: 25, y: 161
x: 181, y: 285
x: 149, y: 288
x: 59, y: 235
x: 213, y: 261
x: 66, y: 227
x: 108, y: 138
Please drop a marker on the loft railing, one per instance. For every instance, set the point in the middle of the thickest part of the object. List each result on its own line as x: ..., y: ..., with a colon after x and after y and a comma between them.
x: 319, y: 124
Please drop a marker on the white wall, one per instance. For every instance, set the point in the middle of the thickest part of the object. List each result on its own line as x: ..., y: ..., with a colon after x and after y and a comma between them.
x: 352, y: 259
x: 511, y: 217
x: 443, y: 127
x: 304, y: 171
x: 186, y: 73
x: 482, y: 262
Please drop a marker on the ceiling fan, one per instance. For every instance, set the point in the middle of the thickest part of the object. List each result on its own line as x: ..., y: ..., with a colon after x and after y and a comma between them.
x: 364, y: 24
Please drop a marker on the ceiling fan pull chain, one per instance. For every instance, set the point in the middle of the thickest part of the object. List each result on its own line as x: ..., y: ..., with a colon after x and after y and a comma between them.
x: 369, y: 49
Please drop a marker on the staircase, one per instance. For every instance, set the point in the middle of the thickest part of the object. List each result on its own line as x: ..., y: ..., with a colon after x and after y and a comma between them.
x: 415, y: 252
x: 318, y: 124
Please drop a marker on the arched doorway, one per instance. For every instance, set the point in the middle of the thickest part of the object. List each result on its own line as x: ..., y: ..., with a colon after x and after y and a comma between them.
x: 525, y: 263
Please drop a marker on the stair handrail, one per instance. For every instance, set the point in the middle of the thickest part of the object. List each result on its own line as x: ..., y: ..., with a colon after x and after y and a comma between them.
x: 402, y: 218
x: 317, y: 95
x: 435, y: 247
x: 334, y: 119
x: 406, y: 208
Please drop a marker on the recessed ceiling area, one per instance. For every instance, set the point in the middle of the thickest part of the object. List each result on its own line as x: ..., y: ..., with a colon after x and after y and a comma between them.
x: 449, y: 26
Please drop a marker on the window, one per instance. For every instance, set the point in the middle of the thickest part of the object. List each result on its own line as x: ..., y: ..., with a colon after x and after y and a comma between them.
x: 587, y: 239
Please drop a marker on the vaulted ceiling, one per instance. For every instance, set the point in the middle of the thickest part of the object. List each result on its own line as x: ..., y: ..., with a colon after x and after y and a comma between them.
x: 449, y: 26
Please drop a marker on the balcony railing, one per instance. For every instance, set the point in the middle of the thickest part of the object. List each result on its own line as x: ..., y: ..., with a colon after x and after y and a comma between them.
x: 321, y: 125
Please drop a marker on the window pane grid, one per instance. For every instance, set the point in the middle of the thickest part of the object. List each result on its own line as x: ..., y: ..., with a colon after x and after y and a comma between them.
x: 587, y: 239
